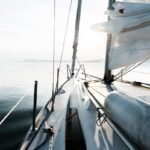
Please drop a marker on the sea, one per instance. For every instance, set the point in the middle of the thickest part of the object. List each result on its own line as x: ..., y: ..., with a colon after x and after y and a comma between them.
x: 17, y: 79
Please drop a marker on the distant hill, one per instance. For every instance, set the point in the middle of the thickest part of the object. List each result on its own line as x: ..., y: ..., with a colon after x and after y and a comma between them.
x: 92, y: 61
x: 43, y: 60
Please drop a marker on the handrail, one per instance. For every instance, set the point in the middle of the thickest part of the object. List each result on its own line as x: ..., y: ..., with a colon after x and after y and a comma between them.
x: 83, y: 68
x: 9, y: 113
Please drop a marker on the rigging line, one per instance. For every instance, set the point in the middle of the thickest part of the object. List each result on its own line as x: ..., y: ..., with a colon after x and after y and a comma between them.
x: 65, y: 35
x: 53, y: 78
x: 97, y: 91
x: 63, y: 73
x: 127, y: 71
x: 123, y: 70
x: 7, y: 115
x: 132, y: 68
x: 78, y: 61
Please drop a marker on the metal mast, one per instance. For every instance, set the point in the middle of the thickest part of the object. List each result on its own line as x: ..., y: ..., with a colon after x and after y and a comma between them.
x: 108, y: 76
x: 76, y: 36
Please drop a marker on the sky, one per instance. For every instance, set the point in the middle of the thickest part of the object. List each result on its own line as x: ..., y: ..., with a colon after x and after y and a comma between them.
x: 26, y: 29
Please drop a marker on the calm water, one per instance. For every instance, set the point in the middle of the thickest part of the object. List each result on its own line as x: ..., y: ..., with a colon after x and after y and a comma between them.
x: 16, y: 78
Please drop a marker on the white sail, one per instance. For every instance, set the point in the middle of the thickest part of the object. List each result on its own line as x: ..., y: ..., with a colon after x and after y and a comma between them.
x: 130, y: 29
x: 137, y: 1
x: 129, y: 47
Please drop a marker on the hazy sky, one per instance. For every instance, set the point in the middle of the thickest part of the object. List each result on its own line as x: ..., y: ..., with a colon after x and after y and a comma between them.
x: 26, y: 28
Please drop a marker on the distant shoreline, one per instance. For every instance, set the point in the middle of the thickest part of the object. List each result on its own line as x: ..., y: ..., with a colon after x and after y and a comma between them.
x: 101, y: 60
x: 83, y: 61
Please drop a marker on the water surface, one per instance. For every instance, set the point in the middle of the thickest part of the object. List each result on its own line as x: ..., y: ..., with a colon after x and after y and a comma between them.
x: 16, y: 78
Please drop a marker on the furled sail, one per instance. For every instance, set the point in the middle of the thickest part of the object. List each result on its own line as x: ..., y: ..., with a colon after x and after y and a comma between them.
x: 129, y: 25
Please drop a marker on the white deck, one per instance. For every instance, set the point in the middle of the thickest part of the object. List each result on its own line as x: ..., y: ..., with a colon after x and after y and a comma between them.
x: 96, y: 137
x: 100, y: 91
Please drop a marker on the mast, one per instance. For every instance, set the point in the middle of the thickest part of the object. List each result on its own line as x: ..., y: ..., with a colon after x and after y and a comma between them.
x: 76, y: 36
x: 108, y: 75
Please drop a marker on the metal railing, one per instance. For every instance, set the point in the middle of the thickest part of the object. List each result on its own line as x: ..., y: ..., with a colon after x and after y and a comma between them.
x: 83, y: 69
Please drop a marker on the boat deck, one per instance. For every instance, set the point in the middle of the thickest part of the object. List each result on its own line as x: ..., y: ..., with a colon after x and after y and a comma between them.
x: 100, y: 90
x: 74, y: 96
x: 55, y: 118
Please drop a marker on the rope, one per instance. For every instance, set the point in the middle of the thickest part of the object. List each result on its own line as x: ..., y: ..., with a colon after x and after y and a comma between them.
x: 78, y: 61
x: 54, y: 43
x: 97, y: 91
x: 101, y: 117
x: 123, y: 70
x: 129, y: 70
x: 8, y: 114
x: 60, y: 61
x: 53, y: 78
x: 65, y: 35
x: 63, y: 73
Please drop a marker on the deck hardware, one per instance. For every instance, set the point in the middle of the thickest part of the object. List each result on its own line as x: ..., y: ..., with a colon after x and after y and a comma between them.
x: 62, y: 91
x: 49, y: 130
x: 86, y: 84
x: 101, y: 117
x: 136, y: 83
x: 34, y: 105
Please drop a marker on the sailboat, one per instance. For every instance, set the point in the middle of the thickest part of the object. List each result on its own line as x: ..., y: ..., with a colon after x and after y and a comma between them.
x: 108, y: 113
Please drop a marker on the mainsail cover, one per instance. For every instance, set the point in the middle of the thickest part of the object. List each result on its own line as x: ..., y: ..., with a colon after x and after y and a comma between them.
x: 129, y: 25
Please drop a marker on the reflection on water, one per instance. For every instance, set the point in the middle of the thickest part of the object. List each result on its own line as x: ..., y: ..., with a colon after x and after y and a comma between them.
x: 16, y: 78
x: 13, y: 130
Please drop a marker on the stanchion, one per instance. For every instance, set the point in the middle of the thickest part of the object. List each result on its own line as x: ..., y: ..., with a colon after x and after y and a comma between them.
x: 34, y: 104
